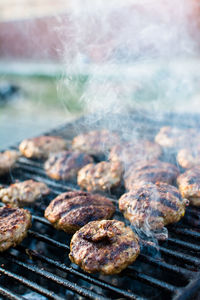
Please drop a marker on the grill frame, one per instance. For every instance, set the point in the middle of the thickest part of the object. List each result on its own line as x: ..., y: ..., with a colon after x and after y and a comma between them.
x: 33, y: 169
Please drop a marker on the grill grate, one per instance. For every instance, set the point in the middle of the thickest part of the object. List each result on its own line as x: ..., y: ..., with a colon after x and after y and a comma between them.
x: 41, y: 265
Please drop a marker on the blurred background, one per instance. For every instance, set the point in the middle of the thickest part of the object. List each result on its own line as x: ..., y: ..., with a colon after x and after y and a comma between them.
x: 62, y: 59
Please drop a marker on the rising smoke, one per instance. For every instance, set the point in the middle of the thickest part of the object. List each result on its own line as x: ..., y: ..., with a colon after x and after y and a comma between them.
x: 133, y: 56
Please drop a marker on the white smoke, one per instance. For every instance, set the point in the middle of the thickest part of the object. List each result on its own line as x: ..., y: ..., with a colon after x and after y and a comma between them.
x: 129, y: 51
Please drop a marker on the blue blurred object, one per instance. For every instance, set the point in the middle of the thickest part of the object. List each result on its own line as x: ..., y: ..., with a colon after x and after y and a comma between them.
x: 7, y: 92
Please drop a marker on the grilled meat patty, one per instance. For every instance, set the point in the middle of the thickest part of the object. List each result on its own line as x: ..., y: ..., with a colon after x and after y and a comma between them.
x: 14, y: 224
x: 189, y: 185
x: 65, y: 165
x: 100, y: 177
x: 130, y: 153
x: 172, y: 137
x: 146, y: 172
x: 40, y: 147
x: 7, y: 161
x: 189, y: 157
x: 25, y: 192
x: 105, y: 246
x: 72, y: 210
x: 153, y: 206
x: 95, y: 142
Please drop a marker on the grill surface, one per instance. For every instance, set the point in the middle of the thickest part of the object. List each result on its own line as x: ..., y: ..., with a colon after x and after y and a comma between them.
x: 39, y: 268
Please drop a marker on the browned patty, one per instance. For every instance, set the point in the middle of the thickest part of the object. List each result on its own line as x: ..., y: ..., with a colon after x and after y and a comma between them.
x: 189, y: 185
x: 100, y: 177
x: 65, y: 165
x: 14, y: 224
x: 7, y: 161
x: 153, y: 206
x: 145, y: 172
x: 189, y: 157
x: 25, y: 192
x: 130, y: 153
x: 42, y: 146
x: 95, y: 142
x: 172, y: 137
x: 72, y: 210
x: 104, y: 246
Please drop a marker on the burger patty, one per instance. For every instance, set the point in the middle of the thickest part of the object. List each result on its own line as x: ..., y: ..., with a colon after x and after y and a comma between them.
x: 40, y: 147
x: 72, y: 210
x: 14, y: 224
x: 25, y: 192
x: 153, y: 206
x: 105, y: 246
x: 95, y: 142
x: 130, y: 153
x: 65, y: 165
x: 189, y: 157
x: 172, y: 137
x: 146, y: 172
x: 100, y: 177
x: 189, y: 185
x: 7, y: 161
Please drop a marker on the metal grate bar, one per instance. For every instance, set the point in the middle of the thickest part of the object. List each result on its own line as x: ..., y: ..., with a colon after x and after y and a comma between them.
x: 63, y: 267
x: 165, y: 266
x: 30, y: 284
x: 150, y: 280
x: 10, y: 295
x: 183, y: 244
x: 187, y: 232
x: 48, y: 240
x: 57, y: 279
x: 137, y: 275
x: 180, y: 256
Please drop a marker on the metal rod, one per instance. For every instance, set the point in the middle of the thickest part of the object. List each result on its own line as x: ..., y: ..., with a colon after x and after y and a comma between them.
x: 34, y: 286
x: 59, y: 280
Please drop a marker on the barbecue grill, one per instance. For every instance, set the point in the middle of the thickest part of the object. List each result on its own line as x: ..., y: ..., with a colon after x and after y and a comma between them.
x: 39, y: 268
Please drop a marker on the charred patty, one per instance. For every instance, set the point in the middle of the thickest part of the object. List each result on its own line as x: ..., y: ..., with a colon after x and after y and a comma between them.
x: 152, y: 206
x: 104, y: 246
x: 25, y: 192
x: 7, y: 161
x: 72, y: 210
x: 40, y: 147
x: 14, y: 224
x: 95, y: 142
x: 146, y: 172
x: 189, y: 185
x: 130, y: 153
x: 65, y: 165
x: 100, y: 177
